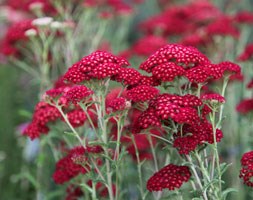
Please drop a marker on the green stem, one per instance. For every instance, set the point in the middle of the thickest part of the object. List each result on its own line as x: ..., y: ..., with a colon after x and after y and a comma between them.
x: 83, y: 143
x: 216, y: 153
x: 103, y: 126
x: 84, y: 108
x: 138, y: 168
x: 224, y: 86
x: 197, y: 177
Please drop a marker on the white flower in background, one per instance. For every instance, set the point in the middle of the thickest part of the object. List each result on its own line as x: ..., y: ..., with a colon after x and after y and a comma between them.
x: 31, y: 32
x: 43, y: 21
x: 57, y: 25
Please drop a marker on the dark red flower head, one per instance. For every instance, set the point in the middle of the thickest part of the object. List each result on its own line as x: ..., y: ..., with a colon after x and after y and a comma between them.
x: 246, y: 172
x: 181, y: 109
x: 117, y: 104
x: 213, y: 98
x: 180, y: 55
x: 128, y: 76
x: 167, y: 71
x: 247, y: 53
x: 98, y: 65
x: 78, y: 93
x: 142, y: 93
x: 169, y: 177
x: 222, y: 26
x: 73, y: 164
x: 43, y: 114
x: 245, y: 106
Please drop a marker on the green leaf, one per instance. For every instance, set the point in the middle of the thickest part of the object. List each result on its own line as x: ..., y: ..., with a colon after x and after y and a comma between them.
x: 224, y: 167
x: 86, y: 187
x: 53, y: 195
x: 227, y: 191
x: 70, y: 133
x: 25, y: 113
x: 210, y: 184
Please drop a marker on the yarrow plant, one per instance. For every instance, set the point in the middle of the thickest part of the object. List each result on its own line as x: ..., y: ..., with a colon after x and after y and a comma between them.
x: 155, y: 130
x: 165, y: 120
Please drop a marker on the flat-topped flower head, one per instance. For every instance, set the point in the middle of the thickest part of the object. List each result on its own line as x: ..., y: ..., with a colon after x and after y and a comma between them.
x: 167, y: 71
x: 105, y: 70
x: 244, y: 17
x: 74, y: 74
x: 43, y: 114
x: 180, y: 55
x: 247, y: 159
x: 247, y: 53
x: 149, y: 80
x: 78, y: 93
x: 88, y: 63
x: 142, y: 93
x: 199, y: 74
x: 194, y: 135
x: 148, y: 119
x: 117, y: 104
x: 245, y: 106
x: 213, y: 98
x: 181, y: 109
x: 169, y: 177
x: 128, y: 76
x: 66, y: 168
x: 98, y: 65
x: 230, y: 67
x: 76, y: 117
x: 223, y: 26
x: 73, y: 163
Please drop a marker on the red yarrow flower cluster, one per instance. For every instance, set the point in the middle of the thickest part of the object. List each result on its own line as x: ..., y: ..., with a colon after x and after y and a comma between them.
x: 178, y: 54
x: 16, y: 33
x: 246, y: 172
x: 117, y: 104
x: 169, y: 177
x: 27, y: 5
x: 244, y: 17
x: 167, y: 71
x: 247, y: 53
x: 181, y: 109
x: 43, y: 114
x: 212, y: 98
x: 142, y: 93
x: 176, y: 60
x: 245, y: 106
x: 66, y: 168
x: 77, y: 117
x: 73, y: 164
x: 128, y: 76
x: 98, y: 65
x: 77, y: 94
x: 73, y: 192
x: 194, y: 135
